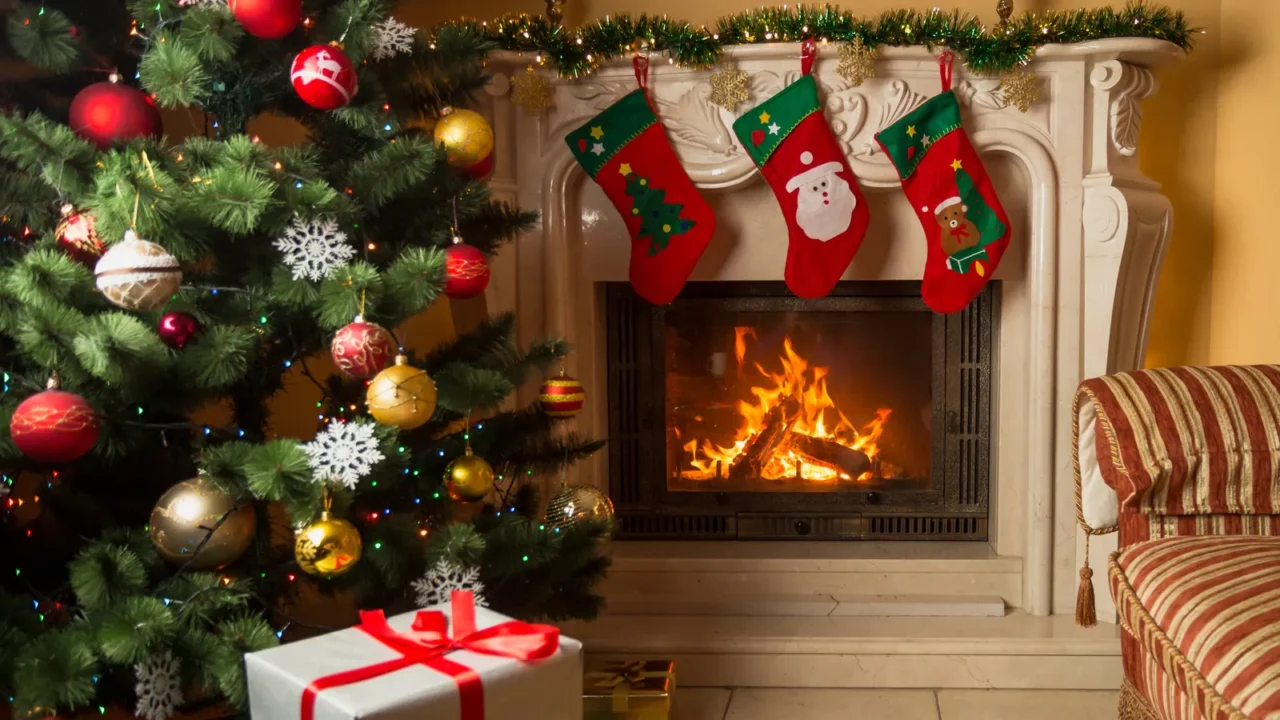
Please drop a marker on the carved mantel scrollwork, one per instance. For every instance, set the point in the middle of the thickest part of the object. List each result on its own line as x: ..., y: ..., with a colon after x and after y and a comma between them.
x: 1128, y: 85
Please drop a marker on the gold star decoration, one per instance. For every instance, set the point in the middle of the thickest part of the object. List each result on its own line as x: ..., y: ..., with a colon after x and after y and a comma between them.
x: 728, y: 88
x: 624, y: 169
x: 956, y: 164
x: 1020, y: 88
x: 857, y: 61
x: 531, y: 90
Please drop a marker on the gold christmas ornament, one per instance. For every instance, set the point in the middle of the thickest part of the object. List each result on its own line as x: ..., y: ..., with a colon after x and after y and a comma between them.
x: 857, y: 61
x: 137, y: 274
x: 728, y: 88
x: 574, y: 504
x: 469, y: 478
x: 466, y: 137
x: 1020, y: 88
x: 401, y: 395
x: 327, y: 547
x: 186, y: 514
x: 531, y: 91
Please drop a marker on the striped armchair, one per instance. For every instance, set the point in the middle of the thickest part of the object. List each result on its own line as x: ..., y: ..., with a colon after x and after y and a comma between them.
x: 1185, y: 464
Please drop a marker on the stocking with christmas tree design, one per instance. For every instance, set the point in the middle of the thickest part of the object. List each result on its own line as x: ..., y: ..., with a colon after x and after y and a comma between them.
x: 965, y: 226
x: 626, y: 152
x: 789, y: 138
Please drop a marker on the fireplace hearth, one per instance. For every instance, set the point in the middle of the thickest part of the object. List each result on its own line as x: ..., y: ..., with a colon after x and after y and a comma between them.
x: 741, y: 411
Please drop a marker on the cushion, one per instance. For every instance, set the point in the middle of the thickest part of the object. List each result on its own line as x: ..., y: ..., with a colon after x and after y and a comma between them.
x: 1182, y: 441
x: 1207, y: 610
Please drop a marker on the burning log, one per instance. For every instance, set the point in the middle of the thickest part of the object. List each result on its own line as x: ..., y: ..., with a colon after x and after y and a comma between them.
x: 774, y: 430
x: 828, y: 454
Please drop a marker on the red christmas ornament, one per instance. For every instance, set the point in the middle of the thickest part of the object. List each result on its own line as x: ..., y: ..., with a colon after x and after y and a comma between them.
x: 562, y: 397
x: 77, y: 239
x: 466, y: 271
x: 105, y: 112
x: 482, y: 169
x: 363, y: 349
x: 54, y: 426
x: 178, y: 328
x: 324, y: 77
x: 268, y: 19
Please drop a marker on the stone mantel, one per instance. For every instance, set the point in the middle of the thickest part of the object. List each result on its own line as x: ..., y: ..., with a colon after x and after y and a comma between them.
x: 1089, y: 236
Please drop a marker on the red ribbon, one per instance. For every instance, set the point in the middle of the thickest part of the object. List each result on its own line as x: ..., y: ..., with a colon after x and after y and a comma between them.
x: 428, y: 642
x: 808, y: 53
x: 641, y: 65
x: 944, y: 68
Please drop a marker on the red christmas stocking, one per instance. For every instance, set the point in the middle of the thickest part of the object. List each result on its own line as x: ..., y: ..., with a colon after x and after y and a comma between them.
x: 789, y: 138
x: 964, y: 223
x: 627, y: 154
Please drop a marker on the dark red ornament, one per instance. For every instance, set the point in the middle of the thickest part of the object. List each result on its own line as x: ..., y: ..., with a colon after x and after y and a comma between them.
x: 77, y: 238
x: 54, y: 427
x: 324, y: 77
x: 466, y: 271
x: 482, y: 169
x: 105, y: 112
x: 268, y: 19
x: 363, y: 349
x: 178, y: 328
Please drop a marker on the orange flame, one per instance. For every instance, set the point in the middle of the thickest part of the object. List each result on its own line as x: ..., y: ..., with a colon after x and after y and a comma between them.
x: 740, y: 343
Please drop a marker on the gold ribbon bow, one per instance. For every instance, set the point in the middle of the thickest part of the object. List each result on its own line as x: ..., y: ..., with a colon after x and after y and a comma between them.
x: 621, y: 677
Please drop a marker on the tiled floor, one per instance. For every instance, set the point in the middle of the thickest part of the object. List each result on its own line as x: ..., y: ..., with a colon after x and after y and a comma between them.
x: 811, y: 704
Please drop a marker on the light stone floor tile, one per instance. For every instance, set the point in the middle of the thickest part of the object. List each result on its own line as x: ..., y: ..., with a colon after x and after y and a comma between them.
x: 832, y: 704
x: 699, y: 703
x: 1026, y: 704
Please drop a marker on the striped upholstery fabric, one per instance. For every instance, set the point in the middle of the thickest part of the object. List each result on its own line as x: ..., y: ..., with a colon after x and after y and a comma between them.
x: 1190, y: 440
x: 1206, y: 612
x: 1140, y: 528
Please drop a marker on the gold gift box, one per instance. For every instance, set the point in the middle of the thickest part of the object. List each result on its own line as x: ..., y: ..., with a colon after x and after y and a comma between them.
x: 631, y: 690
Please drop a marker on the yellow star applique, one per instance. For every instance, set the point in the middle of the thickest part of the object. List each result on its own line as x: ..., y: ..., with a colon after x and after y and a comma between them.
x: 624, y: 169
x: 597, y: 132
x: 956, y: 165
x: 911, y: 131
x: 764, y: 118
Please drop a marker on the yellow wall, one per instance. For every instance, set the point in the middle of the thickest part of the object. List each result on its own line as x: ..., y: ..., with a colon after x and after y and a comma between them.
x: 1217, y: 278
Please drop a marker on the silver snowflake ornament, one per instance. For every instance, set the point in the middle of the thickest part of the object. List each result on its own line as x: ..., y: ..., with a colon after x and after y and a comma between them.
x: 159, y: 686
x: 391, y: 37
x: 203, y: 3
x: 436, y: 587
x: 343, y: 452
x: 314, y: 247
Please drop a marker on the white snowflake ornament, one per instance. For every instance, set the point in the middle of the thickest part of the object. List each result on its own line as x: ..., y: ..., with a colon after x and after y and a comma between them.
x: 159, y: 687
x: 391, y: 37
x: 314, y: 248
x: 343, y: 452
x: 436, y: 587
x: 201, y: 3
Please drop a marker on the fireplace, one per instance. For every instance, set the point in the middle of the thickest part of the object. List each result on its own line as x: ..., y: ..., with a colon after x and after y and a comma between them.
x: 741, y: 411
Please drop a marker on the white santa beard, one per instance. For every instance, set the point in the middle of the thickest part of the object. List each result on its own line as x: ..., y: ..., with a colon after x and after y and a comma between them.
x: 823, y: 221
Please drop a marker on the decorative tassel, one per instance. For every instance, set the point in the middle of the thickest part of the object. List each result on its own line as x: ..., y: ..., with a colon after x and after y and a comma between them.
x: 1086, y: 605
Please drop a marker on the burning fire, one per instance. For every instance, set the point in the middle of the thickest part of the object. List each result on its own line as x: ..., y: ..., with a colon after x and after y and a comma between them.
x: 808, y: 385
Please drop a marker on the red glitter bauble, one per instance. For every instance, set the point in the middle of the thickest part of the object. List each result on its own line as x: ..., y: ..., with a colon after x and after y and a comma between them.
x: 268, y: 19
x: 178, y: 328
x: 54, y: 427
x: 482, y: 169
x: 105, y: 112
x: 363, y: 349
x: 77, y: 239
x: 466, y: 271
x: 324, y: 77
x: 562, y: 397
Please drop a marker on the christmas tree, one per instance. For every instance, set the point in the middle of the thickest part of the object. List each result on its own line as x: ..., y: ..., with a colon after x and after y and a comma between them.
x: 160, y: 298
x: 659, y: 220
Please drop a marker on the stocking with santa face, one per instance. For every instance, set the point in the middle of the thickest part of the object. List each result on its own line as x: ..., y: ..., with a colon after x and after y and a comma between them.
x: 789, y: 138
x: 965, y: 226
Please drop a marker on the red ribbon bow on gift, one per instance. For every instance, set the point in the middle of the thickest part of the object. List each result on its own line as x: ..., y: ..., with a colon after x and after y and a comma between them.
x: 429, y: 641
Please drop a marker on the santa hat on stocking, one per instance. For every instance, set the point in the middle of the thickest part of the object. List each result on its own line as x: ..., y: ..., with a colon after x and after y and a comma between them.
x: 953, y: 200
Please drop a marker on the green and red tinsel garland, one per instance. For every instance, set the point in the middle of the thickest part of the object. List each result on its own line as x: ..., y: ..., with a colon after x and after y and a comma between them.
x: 986, y: 50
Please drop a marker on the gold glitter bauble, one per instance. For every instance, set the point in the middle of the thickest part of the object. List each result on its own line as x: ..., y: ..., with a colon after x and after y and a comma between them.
x: 728, y: 88
x: 857, y: 61
x: 466, y: 137
x: 401, y: 395
x: 531, y: 90
x: 578, y: 503
x: 1020, y: 88
x: 184, y: 517
x: 327, y: 547
x: 468, y: 478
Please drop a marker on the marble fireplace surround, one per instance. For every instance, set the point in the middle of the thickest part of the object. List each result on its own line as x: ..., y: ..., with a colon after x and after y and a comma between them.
x: 1089, y: 235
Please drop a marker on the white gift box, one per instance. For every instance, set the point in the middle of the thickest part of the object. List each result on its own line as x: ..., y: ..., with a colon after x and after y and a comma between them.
x: 548, y: 689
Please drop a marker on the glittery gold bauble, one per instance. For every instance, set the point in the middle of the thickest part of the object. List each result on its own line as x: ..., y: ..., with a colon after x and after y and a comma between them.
x: 531, y: 90
x: 327, y: 547
x: 469, y: 478
x: 1020, y: 88
x: 187, y: 513
x: 578, y: 503
x: 402, y: 395
x: 728, y: 88
x: 857, y: 61
x: 466, y: 137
